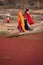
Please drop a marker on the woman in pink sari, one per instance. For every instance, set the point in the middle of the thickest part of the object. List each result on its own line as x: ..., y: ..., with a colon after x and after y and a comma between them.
x: 28, y: 17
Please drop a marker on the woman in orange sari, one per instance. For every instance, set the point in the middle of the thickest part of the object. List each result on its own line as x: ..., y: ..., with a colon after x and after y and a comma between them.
x: 21, y: 25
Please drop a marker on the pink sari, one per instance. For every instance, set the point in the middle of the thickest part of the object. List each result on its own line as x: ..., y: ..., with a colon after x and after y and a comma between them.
x: 28, y: 17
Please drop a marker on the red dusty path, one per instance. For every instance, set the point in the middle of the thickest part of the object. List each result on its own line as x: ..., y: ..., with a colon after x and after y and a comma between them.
x: 17, y: 51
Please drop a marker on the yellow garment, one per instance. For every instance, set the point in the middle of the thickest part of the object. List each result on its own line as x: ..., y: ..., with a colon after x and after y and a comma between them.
x: 21, y: 18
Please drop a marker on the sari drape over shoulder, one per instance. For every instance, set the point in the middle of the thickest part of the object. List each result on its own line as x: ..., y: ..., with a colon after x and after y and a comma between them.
x: 21, y: 21
x: 29, y: 18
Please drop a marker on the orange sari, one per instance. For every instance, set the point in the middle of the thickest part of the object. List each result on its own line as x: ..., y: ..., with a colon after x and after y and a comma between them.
x: 21, y: 21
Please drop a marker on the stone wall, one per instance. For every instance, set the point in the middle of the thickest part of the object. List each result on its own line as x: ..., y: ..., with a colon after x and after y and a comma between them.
x: 21, y: 3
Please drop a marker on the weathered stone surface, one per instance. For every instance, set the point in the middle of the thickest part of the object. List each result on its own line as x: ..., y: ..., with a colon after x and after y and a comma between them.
x: 22, y: 3
x: 11, y: 28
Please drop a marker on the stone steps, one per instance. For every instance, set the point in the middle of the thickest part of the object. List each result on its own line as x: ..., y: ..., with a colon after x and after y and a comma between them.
x: 15, y: 18
x: 37, y: 15
x: 15, y: 11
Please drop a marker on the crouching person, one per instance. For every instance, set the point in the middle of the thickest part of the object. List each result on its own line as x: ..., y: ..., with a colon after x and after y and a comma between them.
x: 8, y: 18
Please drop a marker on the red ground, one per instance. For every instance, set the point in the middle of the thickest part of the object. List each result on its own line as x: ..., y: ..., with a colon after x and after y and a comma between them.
x: 19, y: 51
